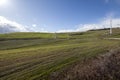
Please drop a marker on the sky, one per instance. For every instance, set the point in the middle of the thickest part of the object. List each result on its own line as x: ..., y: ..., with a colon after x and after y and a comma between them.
x: 57, y: 15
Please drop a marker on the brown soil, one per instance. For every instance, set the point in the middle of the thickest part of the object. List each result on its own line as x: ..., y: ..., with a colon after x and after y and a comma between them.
x: 104, y: 67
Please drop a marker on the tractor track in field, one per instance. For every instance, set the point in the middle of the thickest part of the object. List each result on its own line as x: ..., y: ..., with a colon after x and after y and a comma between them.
x: 27, y: 65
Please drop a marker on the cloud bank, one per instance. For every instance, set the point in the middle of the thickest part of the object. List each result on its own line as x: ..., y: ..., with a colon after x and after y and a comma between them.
x: 105, y: 23
x: 7, y: 26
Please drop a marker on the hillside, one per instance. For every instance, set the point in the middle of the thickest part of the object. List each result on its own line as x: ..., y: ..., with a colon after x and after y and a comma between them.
x: 41, y: 56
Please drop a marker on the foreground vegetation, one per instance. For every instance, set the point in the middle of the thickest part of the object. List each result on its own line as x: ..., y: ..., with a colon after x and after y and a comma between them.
x: 102, y: 67
x: 39, y: 56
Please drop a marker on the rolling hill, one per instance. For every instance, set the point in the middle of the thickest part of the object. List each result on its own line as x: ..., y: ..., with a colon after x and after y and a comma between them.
x: 41, y: 56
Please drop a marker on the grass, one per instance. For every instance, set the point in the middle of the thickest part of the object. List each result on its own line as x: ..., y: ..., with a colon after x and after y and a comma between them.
x: 36, y: 56
x: 31, y: 35
x: 103, y: 67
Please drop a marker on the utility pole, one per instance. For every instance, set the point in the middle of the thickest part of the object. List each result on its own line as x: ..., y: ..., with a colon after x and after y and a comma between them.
x: 110, y: 26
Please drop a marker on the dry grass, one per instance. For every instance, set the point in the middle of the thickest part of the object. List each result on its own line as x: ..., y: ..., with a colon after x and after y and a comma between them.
x: 105, y: 67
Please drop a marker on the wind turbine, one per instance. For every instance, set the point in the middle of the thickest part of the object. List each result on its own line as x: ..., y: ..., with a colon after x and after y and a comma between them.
x: 110, y: 26
x: 55, y: 35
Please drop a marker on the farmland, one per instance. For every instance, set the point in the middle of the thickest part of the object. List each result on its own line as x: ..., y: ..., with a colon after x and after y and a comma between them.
x: 39, y: 56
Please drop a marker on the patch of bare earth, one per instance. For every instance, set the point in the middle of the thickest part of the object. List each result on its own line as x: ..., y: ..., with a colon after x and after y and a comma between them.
x: 104, y: 67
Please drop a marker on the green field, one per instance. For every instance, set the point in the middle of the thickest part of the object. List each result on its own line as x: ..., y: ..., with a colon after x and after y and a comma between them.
x: 35, y: 56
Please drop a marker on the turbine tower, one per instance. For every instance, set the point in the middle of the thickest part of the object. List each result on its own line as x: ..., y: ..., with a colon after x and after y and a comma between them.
x: 110, y: 26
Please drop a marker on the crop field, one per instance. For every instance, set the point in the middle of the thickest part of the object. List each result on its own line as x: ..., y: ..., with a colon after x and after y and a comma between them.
x: 40, y: 56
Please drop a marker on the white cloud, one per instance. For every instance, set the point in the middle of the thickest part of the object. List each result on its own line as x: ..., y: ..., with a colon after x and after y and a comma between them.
x: 34, y: 25
x: 43, y: 30
x: 65, y: 30
x: 105, y: 23
x: 7, y: 26
x: 102, y: 24
x: 37, y: 28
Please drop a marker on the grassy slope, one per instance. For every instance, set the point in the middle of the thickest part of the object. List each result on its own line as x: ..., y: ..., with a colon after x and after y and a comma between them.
x: 29, y: 59
x: 102, y: 67
x: 31, y: 35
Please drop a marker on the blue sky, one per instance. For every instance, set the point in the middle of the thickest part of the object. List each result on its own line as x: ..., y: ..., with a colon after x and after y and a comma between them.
x: 55, y: 15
